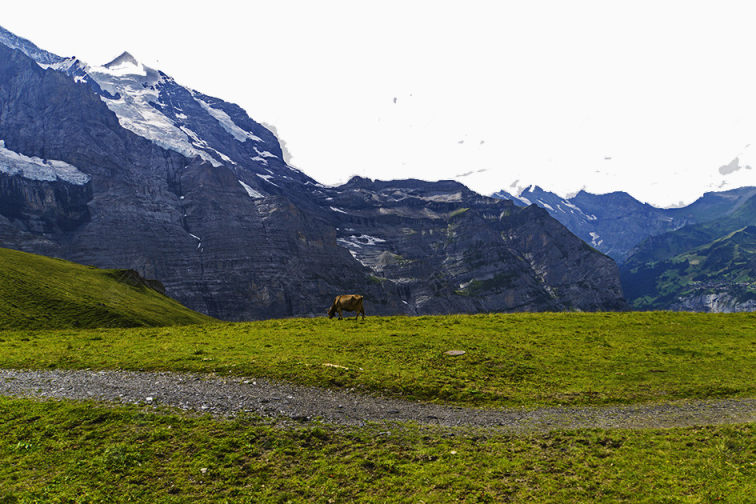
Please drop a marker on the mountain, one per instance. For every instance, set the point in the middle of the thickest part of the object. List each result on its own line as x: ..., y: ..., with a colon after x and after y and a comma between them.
x: 448, y: 249
x: 119, y: 166
x: 615, y: 223
x: 39, y: 292
x: 709, y: 266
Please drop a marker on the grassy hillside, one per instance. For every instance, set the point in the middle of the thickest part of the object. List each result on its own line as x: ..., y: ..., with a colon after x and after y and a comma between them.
x: 60, y: 451
x: 38, y: 292
x: 510, y: 360
x: 718, y: 256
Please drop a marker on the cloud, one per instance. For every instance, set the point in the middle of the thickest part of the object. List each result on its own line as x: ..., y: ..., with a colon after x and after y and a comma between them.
x: 732, y: 167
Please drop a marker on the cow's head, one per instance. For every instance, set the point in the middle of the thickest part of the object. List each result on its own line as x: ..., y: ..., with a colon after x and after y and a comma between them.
x: 332, y: 311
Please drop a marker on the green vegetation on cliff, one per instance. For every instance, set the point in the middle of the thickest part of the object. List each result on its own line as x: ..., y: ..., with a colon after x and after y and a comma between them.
x: 38, y: 292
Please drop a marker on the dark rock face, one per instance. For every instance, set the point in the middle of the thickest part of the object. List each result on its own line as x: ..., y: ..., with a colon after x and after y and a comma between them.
x: 44, y: 207
x: 443, y: 248
x: 215, y: 214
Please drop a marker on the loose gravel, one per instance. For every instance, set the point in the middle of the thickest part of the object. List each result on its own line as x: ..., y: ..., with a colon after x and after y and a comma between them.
x: 229, y: 396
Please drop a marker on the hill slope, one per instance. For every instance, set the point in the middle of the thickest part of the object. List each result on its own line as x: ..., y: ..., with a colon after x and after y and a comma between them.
x: 39, y: 292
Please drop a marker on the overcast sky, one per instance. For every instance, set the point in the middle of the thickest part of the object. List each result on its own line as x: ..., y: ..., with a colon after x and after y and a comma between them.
x: 656, y: 98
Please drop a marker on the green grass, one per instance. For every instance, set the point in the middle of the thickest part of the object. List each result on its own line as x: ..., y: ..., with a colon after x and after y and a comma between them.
x: 38, y: 292
x: 82, y: 452
x: 510, y: 360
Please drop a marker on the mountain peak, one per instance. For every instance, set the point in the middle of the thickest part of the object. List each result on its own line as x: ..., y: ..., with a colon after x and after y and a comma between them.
x: 125, y: 58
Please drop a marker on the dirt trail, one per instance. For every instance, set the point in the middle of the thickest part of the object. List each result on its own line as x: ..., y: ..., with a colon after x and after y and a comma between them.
x: 224, y: 396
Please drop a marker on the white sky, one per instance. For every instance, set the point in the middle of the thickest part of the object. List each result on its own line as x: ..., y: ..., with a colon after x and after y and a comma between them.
x: 517, y: 92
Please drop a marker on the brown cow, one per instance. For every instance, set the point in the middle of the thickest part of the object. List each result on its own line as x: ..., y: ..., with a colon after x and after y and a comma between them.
x: 347, y: 302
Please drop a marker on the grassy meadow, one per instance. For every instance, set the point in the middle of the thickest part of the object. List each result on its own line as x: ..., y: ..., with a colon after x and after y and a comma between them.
x: 510, y: 360
x: 56, y: 314
x: 82, y: 452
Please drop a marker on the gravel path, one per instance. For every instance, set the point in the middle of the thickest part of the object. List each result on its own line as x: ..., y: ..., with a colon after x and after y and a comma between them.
x: 224, y: 396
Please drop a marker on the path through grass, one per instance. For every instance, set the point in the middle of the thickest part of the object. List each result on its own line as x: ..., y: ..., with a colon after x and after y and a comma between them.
x: 509, y: 360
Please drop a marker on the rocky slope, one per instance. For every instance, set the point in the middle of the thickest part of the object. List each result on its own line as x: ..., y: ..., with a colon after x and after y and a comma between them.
x: 444, y: 248
x: 120, y: 166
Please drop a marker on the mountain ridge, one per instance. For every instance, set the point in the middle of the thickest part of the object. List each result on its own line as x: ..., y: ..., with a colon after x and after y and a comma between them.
x: 615, y: 223
x: 189, y: 189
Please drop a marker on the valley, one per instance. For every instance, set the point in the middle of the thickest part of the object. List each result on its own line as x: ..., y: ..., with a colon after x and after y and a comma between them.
x: 693, y: 258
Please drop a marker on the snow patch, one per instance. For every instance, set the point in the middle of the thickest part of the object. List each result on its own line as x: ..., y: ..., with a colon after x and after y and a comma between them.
x: 596, y: 240
x: 337, y: 209
x: 34, y: 168
x: 359, y: 241
x: 227, y: 123
x: 266, y: 178
x: 546, y: 205
x: 136, y: 87
x: 444, y: 197
x: 123, y: 68
x: 367, y: 239
x: 265, y: 154
x: 252, y: 193
x: 590, y: 217
x: 571, y: 205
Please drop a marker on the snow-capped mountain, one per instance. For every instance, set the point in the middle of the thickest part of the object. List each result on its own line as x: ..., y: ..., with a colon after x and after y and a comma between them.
x: 615, y: 223
x: 119, y: 165
x: 152, y: 105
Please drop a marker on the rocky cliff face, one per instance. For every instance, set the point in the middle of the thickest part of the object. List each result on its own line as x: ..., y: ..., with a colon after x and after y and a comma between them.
x: 444, y: 248
x: 143, y: 173
x: 721, y: 301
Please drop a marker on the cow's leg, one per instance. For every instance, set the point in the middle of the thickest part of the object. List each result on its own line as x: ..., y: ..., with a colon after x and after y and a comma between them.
x: 362, y: 310
x: 340, y: 315
x: 356, y: 314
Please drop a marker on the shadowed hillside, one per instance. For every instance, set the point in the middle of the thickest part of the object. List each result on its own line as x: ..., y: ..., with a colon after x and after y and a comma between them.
x: 38, y: 292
